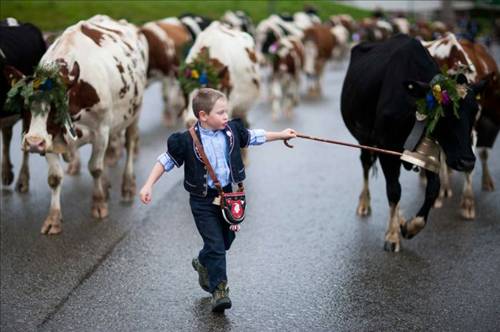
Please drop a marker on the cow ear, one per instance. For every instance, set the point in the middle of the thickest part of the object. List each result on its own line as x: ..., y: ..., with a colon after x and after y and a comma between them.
x: 223, y: 72
x: 416, y: 88
x: 461, y: 79
x: 72, y: 77
x: 12, y: 74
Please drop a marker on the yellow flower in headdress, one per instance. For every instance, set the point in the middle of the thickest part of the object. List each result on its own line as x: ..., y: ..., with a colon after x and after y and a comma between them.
x: 195, y: 74
x: 36, y: 83
x: 436, y: 91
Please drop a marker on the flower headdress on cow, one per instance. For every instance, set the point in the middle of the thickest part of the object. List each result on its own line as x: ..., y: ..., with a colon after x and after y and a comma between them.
x: 444, y: 91
x: 45, y: 85
x: 200, y: 73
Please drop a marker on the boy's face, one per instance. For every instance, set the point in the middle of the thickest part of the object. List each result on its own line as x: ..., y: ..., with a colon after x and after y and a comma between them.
x: 217, y: 118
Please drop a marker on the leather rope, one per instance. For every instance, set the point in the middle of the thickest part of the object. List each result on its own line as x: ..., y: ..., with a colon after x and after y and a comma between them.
x: 371, y: 148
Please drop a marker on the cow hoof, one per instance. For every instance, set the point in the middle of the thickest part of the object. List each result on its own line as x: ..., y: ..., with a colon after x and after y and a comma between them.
x: 391, y: 246
x: 438, y: 203
x: 411, y: 228
x: 52, y: 225
x: 467, y: 208
x: 7, y: 176
x: 488, y: 185
x: 22, y: 185
x: 364, y: 209
x: 100, y: 210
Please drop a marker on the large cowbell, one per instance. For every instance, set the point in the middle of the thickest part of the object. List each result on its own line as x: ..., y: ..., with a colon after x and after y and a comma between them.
x: 426, y: 154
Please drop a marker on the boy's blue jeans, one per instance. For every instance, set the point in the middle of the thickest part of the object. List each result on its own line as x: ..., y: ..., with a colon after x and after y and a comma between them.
x: 217, y: 237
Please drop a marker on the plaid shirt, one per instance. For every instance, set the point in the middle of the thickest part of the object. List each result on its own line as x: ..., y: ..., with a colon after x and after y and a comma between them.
x: 216, y: 149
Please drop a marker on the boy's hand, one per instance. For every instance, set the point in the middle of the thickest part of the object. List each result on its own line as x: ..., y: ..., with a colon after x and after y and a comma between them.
x: 288, y: 134
x: 145, y: 194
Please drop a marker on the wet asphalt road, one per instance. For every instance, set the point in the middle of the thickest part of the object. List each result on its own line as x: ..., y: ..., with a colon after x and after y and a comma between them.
x: 303, y: 260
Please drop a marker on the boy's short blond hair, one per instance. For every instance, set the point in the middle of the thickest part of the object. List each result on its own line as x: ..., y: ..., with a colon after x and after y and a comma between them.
x: 205, y: 100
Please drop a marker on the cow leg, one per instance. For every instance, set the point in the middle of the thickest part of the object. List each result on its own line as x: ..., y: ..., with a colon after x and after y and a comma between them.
x: 467, y: 206
x: 391, y: 168
x: 128, y: 184
x: 52, y: 224
x: 288, y: 103
x: 7, y: 174
x: 276, y: 98
x: 169, y: 116
x: 23, y: 181
x: 114, y: 149
x: 96, y: 167
x: 367, y: 160
x: 414, y: 226
x: 445, y: 188
x: 74, y: 163
x: 488, y: 184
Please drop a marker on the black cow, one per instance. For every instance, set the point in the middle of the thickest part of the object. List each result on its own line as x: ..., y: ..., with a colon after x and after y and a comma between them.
x: 379, y: 110
x: 21, y: 46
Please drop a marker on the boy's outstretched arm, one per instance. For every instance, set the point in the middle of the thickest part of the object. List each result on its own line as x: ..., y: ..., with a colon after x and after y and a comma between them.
x: 146, y: 191
x: 284, y: 134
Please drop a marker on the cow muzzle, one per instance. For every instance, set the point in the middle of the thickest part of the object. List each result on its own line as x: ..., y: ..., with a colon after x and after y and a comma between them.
x: 35, y: 144
x: 466, y: 164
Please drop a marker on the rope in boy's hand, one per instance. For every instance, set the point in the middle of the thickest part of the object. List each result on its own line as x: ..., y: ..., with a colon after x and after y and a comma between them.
x: 371, y: 148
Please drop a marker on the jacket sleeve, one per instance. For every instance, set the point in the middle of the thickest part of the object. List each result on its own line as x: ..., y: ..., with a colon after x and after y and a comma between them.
x: 242, y: 132
x: 176, y: 147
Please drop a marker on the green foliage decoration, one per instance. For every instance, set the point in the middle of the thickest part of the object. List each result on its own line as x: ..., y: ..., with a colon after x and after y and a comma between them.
x: 199, y: 73
x: 444, y: 91
x: 45, y: 86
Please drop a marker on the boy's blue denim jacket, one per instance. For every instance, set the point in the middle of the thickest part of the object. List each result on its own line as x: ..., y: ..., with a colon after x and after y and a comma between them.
x: 181, y: 150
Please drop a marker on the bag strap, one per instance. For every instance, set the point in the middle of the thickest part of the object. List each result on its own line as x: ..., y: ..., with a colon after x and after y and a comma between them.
x: 203, y: 156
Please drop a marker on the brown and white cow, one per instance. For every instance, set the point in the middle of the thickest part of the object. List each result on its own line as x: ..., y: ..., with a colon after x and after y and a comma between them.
x: 475, y: 62
x: 167, y: 40
x: 103, y: 64
x: 232, y: 53
x: 287, y: 59
x: 318, y: 45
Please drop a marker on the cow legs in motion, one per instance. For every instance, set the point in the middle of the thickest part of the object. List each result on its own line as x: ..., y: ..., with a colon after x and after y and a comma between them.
x: 413, y: 227
x: 52, y: 224
x: 467, y: 206
x: 22, y: 184
x: 391, y: 168
x: 367, y: 160
x: 96, y: 167
x: 7, y: 174
x: 488, y: 184
x: 128, y: 184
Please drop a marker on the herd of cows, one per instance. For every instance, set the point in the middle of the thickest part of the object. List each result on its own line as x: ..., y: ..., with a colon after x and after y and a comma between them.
x: 104, y: 65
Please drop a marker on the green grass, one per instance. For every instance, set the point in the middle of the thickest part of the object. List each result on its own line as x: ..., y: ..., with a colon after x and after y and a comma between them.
x: 57, y: 15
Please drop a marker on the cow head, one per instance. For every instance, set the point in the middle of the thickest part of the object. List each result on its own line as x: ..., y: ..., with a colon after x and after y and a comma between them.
x: 453, y: 129
x: 45, y: 94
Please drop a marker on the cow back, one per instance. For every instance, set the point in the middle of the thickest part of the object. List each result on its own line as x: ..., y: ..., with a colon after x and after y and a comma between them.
x: 374, y: 104
x: 23, y: 46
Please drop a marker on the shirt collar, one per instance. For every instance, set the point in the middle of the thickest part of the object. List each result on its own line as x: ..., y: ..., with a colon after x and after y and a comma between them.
x: 207, y: 132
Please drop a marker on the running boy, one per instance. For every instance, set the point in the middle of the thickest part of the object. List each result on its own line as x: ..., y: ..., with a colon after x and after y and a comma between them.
x: 221, y: 140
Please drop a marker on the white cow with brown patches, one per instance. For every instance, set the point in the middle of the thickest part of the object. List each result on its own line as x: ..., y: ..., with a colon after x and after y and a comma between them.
x: 103, y: 64
x: 167, y: 39
x: 287, y: 59
x: 232, y: 53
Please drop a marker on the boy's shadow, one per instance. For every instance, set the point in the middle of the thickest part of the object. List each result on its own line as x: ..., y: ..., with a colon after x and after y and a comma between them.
x: 208, y: 320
